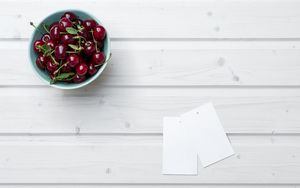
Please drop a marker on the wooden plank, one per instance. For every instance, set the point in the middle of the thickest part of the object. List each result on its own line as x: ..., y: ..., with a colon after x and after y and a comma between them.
x: 99, y: 109
x: 142, y: 186
x: 184, y: 63
x: 162, y: 19
x: 137, y: 159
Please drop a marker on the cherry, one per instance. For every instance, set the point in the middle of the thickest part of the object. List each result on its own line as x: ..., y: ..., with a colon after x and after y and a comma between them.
x: 67, y: 39
x: 73, y: 60
x: 51, y: 66
x: 81, y: 69
x: 36, y: 45
x: 41, y: 61
x: 99, y: 44
x: 92, y: 69
x: 55, y: 32
x: 78, y: 78
x: 98, y: 58
x: 89, y: 24
x: 64, y: 23
x: 46, y: 37
x: 66, y: 68
x: 60, y: 51
x: 70, y: 15
x: 89, y: 48
x: 99, y: 33
x: 51, y: 44
x: 83, y: 62
x: 84, y: 33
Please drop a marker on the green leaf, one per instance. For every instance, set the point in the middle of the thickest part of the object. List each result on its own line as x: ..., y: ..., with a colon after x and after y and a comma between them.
x: 64, y: 76
x: 71, y: 30
x: 78, y: 37
x: 45, y: 49
x: 74, y: 47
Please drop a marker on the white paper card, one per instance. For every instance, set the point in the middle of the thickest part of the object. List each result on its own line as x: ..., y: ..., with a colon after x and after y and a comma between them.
x: 179, y: 156
x: 207, y: 134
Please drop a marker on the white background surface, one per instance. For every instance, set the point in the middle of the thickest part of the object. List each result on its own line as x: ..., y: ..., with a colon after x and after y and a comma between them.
x: 168, y: 57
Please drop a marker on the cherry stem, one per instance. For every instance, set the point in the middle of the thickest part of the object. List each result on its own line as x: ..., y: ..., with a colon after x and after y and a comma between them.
x: 54, y: 59
x: 32, y: 24
x: 45, y: 28
x: 51, y: 52
x: 80, y: 37
x: 55, y: 72
x: 79, y: 41
x: 95, y: 41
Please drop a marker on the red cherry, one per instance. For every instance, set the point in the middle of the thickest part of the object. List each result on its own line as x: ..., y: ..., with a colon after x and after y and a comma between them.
x: 98, y: 58
x: 51, y: 66
x: 36, y: 45
x: 51, y: 44
x: 60, y: 51
x: 89, y: 24
x: 81, y: 69
x: 92, y: 69
x: 89, y: 48
x: 73, y: 60
x: 46, y: 37
x: 81, y: 60
x: 66, y: 68
x: 99, y: 44
x: 87, y: 35
x: 55, y: 32
x: 67, y: 39
x: 99, y: 33
x: 64, y: 23
x: 78, y: 78
x: 70, y: 15
x: 41, y: 61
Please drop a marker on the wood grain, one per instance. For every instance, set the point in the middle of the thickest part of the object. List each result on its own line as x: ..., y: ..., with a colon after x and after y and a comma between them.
x: 100, y: 185
x: 166, y: 19
x: 168, y: 57
x: 100, y: 109
x: 138, y: 63
x: 137, y: 159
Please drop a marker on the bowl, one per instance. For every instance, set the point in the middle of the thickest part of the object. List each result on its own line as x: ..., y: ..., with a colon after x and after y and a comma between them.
x: 37, y: 35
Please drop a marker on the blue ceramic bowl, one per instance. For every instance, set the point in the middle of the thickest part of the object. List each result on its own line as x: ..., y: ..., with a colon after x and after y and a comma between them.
x: 44, y: 75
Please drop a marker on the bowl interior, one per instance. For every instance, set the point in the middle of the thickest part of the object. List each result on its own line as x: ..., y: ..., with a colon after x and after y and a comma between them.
x: 36, y: 35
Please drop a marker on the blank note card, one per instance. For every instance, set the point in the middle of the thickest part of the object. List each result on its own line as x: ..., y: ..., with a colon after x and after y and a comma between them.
x: 179, y: 155
x: 207, y: 134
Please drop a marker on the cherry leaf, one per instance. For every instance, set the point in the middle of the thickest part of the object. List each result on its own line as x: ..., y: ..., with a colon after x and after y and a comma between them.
x: 74, y: 47
x: 71, y: 30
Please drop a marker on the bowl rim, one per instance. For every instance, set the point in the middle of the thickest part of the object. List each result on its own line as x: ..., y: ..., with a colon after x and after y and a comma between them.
x: 75, y: 85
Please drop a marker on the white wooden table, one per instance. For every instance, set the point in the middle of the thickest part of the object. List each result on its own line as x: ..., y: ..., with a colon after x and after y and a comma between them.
x: 168, y: 57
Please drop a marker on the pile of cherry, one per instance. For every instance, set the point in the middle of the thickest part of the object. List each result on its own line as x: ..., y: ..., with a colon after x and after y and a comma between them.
x: 70, y: 50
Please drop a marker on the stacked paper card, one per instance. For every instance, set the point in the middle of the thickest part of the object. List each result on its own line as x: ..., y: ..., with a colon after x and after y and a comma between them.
x: 195, y: 133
